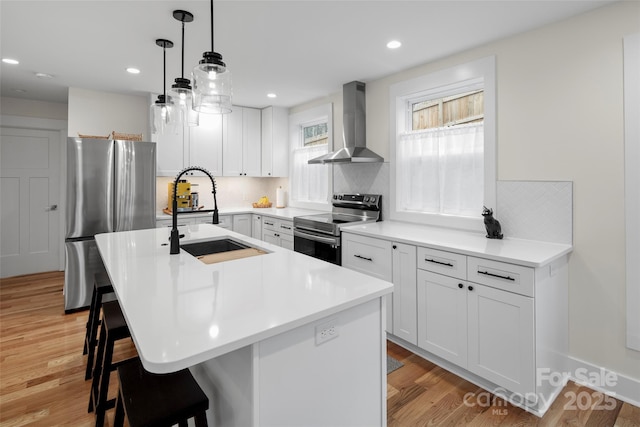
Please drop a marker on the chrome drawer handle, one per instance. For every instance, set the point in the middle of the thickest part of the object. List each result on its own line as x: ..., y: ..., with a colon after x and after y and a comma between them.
x: 363, y: 257
x: 448, y: 264
x: 486, y: 273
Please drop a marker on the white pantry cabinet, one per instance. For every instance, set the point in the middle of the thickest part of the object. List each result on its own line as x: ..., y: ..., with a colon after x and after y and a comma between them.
x: 241, y: 142
x: 275, y: 142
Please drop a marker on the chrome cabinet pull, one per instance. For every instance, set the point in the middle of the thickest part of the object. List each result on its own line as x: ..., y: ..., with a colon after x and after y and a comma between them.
x: 448, y: 264
x: 486, y: 273
x: 363, y: 257
x: 52, y: 208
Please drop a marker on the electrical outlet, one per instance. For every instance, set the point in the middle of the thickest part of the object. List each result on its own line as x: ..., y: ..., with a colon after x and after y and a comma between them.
x: 326, y: 331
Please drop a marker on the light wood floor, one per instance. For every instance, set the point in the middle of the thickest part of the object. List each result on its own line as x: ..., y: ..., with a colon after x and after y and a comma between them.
x: 42, y: 374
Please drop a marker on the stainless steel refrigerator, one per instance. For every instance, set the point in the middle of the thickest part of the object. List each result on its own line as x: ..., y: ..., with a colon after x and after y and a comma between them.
x: 111, y: 186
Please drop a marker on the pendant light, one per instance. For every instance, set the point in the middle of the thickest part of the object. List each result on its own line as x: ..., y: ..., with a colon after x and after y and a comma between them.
x: 162, y: 110
x: 211, y: 82
x: 181, y: 94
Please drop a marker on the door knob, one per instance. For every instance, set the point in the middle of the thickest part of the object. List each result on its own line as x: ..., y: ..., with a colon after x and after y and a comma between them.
x: 52, y: 208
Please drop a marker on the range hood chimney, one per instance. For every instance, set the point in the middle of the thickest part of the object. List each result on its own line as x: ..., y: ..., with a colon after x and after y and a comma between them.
x: 353, y: 130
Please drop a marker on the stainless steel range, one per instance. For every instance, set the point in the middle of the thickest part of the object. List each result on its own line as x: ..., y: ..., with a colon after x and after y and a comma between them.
x: 319, y: 235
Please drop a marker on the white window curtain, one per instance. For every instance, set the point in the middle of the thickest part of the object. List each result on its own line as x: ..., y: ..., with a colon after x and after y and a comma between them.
x: 309, y: 182
x: 441, y: 170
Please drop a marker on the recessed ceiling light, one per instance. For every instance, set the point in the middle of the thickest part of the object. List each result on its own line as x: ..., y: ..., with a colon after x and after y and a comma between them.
x: 272, y: 95
x: 44, y: 76
x: 10, y: 61
x: 133, y: 70
x: 394, y: 44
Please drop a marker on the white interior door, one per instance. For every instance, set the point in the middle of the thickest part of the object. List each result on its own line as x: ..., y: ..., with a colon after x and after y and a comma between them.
x: 29, y: 208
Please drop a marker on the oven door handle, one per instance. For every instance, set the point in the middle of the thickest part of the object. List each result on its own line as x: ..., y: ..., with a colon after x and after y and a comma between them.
x: 335, y: 241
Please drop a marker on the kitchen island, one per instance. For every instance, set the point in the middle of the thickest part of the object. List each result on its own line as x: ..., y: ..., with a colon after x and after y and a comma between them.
x: 273, y: 339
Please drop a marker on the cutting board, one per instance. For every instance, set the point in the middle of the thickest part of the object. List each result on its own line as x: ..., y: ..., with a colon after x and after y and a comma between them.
x: 231, y: 255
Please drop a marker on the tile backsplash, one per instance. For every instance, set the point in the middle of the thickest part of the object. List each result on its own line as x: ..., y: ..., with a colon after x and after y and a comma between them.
x: 231, y: 191
x: 369, y: 178
x: 536, y: 210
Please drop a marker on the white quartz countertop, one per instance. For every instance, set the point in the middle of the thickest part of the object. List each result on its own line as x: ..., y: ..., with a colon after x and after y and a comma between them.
x: 181, y: 311
x: 530, y: 253
x: 283, y: 213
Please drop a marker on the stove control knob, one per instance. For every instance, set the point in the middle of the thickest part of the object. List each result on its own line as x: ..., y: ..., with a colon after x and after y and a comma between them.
x: 335, y: 196
x: 366, y: 199
x: 372, y: 199
x: 340, y: 197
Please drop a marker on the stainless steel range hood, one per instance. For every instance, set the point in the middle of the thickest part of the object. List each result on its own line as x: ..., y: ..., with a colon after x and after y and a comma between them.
x: 353, y: 130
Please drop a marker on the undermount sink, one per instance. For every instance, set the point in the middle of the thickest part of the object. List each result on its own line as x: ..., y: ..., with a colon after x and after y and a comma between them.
x: 219, y: 250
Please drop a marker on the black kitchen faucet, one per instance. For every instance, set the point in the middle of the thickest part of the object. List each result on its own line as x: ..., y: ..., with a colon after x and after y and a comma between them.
x: 175, y: 235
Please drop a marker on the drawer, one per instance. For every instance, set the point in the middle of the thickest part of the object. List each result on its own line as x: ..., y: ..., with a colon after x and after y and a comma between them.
x: 501, y: 275
x: 269, y: 223
x: 442, y: 262
x: 285, y: 227
x: 367, y: 255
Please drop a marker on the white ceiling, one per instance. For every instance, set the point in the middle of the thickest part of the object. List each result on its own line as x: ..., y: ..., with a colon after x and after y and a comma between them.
x: 300, y: 50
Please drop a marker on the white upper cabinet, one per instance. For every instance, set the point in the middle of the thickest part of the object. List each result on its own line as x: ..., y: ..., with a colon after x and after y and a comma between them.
x: 205, y: 143
x: 241, y: 142
x: 191, y: 146
x: 171, y: 153
x: 275, y: 142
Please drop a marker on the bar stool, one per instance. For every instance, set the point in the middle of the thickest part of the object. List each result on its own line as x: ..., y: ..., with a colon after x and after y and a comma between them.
x: 114, y: 328
x: 101, y: 287
x: 158, y: 400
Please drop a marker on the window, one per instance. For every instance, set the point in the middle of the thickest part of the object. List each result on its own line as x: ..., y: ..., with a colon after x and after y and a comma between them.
x: 310, y: 136
x: 443, y: 146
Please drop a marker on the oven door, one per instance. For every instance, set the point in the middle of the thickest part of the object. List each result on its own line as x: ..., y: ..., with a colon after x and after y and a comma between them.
x: 318, y: 245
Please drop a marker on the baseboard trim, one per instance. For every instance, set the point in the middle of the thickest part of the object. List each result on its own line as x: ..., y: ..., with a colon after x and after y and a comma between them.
x: 607, y: 381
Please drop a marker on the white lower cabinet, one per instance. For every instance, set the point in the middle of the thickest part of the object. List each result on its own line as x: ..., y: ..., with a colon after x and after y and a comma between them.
x: 404, y: 292
x: 278, y: 232
x: 256, y: 226
x: 242, y: 224
x: 499, y: 323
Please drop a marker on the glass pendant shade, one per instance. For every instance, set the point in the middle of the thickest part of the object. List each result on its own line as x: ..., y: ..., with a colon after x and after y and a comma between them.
x: 211, y: 82
x: 212, y: 88
x: 162, y: 117
x: 180, y: 97
x: 162, y: 120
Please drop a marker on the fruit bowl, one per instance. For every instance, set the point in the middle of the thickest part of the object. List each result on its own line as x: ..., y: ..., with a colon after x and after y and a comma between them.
x: 262, y: 205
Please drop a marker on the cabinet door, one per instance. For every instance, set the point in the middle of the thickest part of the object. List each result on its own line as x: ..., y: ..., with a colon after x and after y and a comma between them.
x: 171, y: 152
x: 256, y: 227
x: 275, y: 142
x: 225, y: 221
x: 286, y: 241
x: 501, y: 338
x: 251, y: 141
x: 232, y: 143
x: 271, y: 237
x: 404, y: 292
x: 205, y: 143
x: 442, y: 316
x: 242, y: 224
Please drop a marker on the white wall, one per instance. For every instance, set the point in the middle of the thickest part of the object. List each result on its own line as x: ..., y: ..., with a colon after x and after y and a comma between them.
x: 99, y: 113
x: 29, y: 108
x: 560, y: 118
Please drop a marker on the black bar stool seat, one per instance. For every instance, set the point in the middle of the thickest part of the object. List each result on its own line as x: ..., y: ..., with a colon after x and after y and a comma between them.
x: 114, y: 328
x: 155, y: 400
x: 101, y: 287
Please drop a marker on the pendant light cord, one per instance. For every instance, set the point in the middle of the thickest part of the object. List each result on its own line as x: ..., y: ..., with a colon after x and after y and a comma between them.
x: 212, y: 26
x: 164, y: 72
x: 182, y: 71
